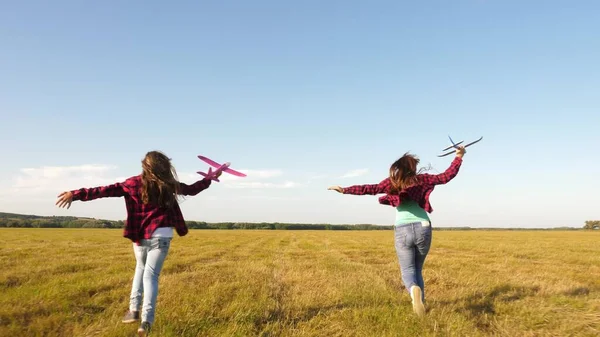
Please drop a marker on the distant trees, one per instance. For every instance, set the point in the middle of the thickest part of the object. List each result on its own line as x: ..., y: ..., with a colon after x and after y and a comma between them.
x: 34, y: 221
x: 279, y: 226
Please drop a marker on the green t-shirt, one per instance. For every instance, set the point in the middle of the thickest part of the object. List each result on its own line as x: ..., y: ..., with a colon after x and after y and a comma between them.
x: 409, y: 211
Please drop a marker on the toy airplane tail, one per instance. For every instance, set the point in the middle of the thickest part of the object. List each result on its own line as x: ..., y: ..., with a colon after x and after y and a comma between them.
x: 210, y: 174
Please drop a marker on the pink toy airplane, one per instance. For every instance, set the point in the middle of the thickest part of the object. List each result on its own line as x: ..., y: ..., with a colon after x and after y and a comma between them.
x: 219, y: 167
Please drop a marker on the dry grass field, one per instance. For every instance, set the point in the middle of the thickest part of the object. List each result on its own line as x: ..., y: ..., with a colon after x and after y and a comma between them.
x: 76, y: 282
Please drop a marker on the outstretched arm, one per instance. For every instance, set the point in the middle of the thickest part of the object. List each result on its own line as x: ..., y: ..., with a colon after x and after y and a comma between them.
x: 198, y: 186
x: 194, y: 188
x: 86, y: 194
x: 371, y: 189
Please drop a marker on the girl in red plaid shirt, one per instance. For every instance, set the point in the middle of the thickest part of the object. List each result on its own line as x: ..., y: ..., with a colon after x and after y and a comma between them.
x: 408, y: 190
x: 152, y: 213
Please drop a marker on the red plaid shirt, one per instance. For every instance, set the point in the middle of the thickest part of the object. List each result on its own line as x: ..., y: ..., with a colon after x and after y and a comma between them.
x: 143, y: 219
x: 419, y: 192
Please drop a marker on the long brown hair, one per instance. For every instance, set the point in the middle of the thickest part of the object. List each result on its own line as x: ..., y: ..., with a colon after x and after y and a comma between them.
x: 159, y: 180
x: 403, y: 173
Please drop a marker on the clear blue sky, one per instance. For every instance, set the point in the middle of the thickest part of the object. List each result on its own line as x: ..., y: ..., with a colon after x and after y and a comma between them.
x: 313, y: 90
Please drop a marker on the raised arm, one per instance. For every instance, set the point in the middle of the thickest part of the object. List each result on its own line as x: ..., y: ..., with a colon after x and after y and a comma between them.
x: 195, y: 188
x: 444, y: 177
x: 371, y: 189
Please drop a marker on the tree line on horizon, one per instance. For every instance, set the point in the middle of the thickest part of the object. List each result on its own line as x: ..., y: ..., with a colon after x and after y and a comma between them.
x: 592, y: 224
x: 12, y: 220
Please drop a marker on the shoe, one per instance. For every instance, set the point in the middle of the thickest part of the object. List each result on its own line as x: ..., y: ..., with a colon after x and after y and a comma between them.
x: 131, y: 316
x: 417, y: 300
x: 144, y: 329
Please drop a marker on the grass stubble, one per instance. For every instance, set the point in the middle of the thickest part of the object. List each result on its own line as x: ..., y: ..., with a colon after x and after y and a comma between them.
x: 76, y: 282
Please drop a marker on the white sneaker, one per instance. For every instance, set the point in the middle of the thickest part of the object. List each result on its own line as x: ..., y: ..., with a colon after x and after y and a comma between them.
x: 417, y: 300
x: 144, y: 329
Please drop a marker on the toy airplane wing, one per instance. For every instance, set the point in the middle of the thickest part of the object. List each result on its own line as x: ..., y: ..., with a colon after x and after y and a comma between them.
x: 225, y: 167
x: 455, y: 145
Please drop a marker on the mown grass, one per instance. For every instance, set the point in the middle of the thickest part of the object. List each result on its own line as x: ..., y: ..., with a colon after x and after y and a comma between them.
x: 76, y: 282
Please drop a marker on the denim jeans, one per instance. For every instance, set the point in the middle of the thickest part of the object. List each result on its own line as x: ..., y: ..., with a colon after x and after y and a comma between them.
x: 413, y: 241
x: 150, y: 256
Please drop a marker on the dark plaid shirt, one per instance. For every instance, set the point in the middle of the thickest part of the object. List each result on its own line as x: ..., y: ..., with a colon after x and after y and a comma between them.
x: 143, y: 219
x: 419, y: 192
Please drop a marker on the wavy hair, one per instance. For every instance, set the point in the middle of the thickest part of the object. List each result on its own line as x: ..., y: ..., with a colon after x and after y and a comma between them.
x: 159, y: 180
x: 403, y: 173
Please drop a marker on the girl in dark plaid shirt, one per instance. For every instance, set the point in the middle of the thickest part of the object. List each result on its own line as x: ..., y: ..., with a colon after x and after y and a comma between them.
x: 152, y: 212
x: 408, y: 190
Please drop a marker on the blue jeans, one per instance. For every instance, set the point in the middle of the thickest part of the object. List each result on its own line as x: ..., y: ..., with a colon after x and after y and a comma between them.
x: 150, y: 256
x: 413, y: 241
